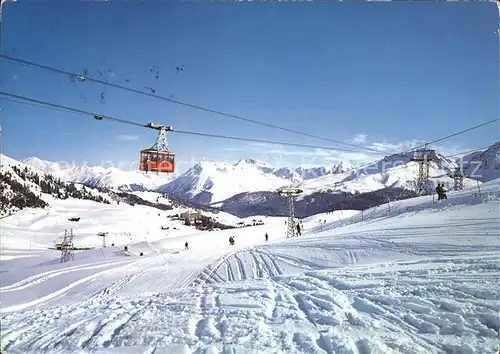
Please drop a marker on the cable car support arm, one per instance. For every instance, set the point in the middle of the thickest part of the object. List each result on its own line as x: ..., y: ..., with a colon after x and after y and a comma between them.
x: 161, y: 143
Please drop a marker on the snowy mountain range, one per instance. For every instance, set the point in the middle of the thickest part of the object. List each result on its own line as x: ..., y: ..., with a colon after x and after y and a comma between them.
x: 390, y: 179
x: 392, y: 171
x: 482, y: 165
x: 212, y: 182
x: 22, y: 186
x: 100, y: 177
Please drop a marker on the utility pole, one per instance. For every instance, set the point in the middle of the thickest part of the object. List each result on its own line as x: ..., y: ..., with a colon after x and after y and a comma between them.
x: 290, y: 193
x: 423, y: 158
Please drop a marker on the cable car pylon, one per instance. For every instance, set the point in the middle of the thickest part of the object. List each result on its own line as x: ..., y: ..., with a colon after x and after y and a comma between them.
x: 158, y: 158
x: 290, y: 193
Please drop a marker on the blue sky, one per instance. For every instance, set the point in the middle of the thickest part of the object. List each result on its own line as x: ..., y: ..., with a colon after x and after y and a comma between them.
x: 377, y: 74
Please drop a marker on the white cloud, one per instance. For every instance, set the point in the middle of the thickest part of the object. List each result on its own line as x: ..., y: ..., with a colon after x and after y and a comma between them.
x: 360, y: 138
x: 127, y: 137
x: 277, y: 154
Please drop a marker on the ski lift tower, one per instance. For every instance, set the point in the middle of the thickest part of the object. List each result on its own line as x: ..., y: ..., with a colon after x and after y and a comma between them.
x: 103, y: 235
x: 423, y: 157
x: 67, y: 247
x: 458, y: 179
x: 290, y: 193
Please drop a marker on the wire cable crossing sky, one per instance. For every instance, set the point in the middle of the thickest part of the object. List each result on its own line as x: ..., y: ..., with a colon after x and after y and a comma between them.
x: 371, y: 78
x: 84, y: 78
x: 126, y: 121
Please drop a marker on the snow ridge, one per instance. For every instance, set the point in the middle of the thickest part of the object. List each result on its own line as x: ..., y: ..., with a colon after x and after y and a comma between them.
x: 100, y: 177
x: 482, y: 165
x: 211, y: 182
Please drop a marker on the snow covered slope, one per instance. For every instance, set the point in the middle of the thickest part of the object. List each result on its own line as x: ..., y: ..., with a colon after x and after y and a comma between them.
x: 125, y: 224
x: 211, y: 182
x: 392, y: 171
x: 414, y: 277
x: 483, y: 165
x: 22, y: 186
x: 100, y: 177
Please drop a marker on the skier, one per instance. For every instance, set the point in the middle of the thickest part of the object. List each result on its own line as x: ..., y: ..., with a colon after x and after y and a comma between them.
x: 267, y: 236
x: 298, y: 229
x: 443, y: 192
x: 439, y: 191
x: 231, y: 241
x: 186, y: 246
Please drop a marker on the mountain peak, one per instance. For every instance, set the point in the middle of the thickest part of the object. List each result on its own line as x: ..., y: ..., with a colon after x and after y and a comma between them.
x: 98, y: 176
x: 246, y: 161
x: 252, y: 162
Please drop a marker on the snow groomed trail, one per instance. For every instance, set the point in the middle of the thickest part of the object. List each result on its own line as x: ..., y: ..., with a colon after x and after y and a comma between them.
x: 422, y: 278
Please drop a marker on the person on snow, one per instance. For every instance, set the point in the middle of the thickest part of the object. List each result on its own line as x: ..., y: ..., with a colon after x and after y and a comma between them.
x: 439, y: 191
x: 267, y: 236
x: 298, y: 229
x: 443, y: 192
x: 186, y: 246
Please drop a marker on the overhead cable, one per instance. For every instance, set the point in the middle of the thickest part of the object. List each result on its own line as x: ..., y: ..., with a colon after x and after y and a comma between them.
x: 84, y: 78
x: 125, y: 121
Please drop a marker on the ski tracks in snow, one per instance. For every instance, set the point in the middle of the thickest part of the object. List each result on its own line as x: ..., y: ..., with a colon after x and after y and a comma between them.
x: 42, y: 277
x: 432, y: 307
x: 283, y: 298
x: 411, y: 300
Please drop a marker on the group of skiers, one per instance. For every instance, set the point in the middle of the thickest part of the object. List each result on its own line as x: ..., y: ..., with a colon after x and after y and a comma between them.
x: 440, y: 191
x: 231, y: 238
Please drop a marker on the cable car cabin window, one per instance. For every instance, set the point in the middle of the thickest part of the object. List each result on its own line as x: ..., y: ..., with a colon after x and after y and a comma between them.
x: 155, y: 161
x: 157, y: 157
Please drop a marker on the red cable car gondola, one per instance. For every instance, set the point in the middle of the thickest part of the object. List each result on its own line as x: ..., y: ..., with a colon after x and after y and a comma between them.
x: 158, y: 158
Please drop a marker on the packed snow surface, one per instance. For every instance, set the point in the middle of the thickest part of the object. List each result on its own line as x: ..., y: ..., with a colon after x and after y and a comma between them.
x: 413, y: 276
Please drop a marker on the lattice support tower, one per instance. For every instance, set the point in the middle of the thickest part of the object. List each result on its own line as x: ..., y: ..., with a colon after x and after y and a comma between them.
x: 423, y: 158
x: 161, y: 143
x: 458, y: 179
x: 290, y: 193
x: 67, y: 247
